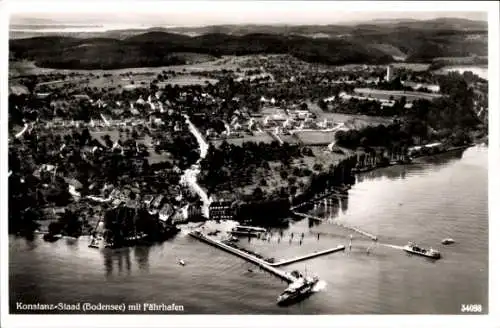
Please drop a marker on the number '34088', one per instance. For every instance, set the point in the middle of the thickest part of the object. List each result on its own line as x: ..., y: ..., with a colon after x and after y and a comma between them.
x: 471, y: 308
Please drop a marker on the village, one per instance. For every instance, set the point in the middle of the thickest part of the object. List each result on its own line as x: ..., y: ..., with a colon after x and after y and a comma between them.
x: 142, y: 137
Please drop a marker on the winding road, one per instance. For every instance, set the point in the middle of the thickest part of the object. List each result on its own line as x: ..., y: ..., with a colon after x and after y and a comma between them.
x: 190, y: 175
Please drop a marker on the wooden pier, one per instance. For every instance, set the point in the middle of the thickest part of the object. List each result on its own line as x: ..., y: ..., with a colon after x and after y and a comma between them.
x: 261, y: 263
x: 270, y: 267
x: 321, y: 197
x: 361, y: 232
x: 308, y: 256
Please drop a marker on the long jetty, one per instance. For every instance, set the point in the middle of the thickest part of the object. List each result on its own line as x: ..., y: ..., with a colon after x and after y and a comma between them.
x: 361, y: 232
x: 326, y: 195
x: 308, y: 256
x: 262, y: 264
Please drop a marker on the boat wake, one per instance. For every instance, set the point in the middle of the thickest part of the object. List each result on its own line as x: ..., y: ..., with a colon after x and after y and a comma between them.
x: 320, y: 285
x: 393, y: 246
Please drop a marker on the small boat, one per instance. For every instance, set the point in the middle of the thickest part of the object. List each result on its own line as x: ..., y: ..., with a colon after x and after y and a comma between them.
x: 250, y: 270
x: 412, y: 248
x: 447, y: 241
x: 181, y: 262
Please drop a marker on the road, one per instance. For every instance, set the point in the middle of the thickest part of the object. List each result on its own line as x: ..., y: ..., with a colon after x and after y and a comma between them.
x: 190, y: 175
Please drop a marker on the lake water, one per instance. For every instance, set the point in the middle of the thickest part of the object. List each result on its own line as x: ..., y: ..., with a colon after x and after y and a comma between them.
x: 444, y: 196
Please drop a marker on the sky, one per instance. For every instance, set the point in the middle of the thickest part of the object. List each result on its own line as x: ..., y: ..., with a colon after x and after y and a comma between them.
x: 211, y: 12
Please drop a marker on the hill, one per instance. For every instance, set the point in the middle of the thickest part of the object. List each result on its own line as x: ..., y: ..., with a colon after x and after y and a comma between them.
x: 372, y: 42
x: 159, y: 48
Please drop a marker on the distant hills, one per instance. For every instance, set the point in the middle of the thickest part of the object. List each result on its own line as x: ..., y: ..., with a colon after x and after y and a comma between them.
x: 373, y: 42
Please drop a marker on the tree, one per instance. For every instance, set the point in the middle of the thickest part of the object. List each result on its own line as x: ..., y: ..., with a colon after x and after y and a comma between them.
x: 323, y: 105
x: 258, y: 194
x: 318, y: 167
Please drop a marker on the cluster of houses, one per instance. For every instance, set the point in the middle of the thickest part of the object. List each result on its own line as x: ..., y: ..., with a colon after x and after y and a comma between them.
x: 384, y: 103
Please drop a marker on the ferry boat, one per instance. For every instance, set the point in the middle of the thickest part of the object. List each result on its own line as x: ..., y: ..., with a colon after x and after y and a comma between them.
x: 247, y: 231
x: 298, y: 290
x: 412, y: 248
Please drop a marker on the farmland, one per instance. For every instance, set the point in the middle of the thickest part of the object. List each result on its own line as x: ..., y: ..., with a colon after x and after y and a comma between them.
x: 387, y: 94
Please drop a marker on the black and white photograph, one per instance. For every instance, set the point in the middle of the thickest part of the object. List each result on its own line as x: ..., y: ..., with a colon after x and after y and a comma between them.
x: 248, y: 158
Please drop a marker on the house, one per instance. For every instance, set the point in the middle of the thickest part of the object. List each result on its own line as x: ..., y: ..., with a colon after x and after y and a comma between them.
x: 166, y: 212
x: 221, y: 210
x: 275, y: 119
x: 81, y: 97
x: 417, y: 86
x: 148, y: 199
x: 42, y: 95
x: 158, y: 201
x: 99, y: 103
x: 386, y: 104
x: 140, y: 101
x: 74, y: 183
x: 132, y: 203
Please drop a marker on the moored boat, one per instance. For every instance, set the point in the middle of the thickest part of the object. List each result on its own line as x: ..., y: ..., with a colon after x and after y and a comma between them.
x: 247, y: 231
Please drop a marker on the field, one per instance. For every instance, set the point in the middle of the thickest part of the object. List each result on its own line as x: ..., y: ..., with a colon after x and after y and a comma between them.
x: 315, y: 137
x: 182, y: 80
x: 386, y: 94
x: 350, y: 120
x: 205, y: 63
x: 417, y: 67
x: 462, y: 60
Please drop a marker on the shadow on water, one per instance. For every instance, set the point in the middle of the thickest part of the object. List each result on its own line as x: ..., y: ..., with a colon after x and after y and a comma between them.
x: 428, y: 163
x: 335, y: 205
x: 116, y: 259
x: 141, y: 254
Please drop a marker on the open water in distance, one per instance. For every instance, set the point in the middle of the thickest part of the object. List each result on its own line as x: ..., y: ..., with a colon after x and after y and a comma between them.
x: 444, y: 196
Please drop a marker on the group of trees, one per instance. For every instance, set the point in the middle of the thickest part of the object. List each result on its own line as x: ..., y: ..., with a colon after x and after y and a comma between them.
x: 374, y: 136
x: 450, y: 119
x: 365, y: 107
x: 124, y: 222
x: 162, y: 49
x: 229, y: 166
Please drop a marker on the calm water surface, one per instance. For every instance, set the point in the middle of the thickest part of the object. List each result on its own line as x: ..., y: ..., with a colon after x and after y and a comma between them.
x: 441, y: 197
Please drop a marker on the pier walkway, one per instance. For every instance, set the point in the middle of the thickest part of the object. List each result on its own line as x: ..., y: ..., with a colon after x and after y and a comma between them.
x: 361, y: 232
x: 308, y: 256
x: 261, y: 263
x: 326, y: 195
x: 270, y: 267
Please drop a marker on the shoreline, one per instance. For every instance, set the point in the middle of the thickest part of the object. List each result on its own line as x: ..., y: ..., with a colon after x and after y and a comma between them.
x: 317, y: 196
x: 419, y: 157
